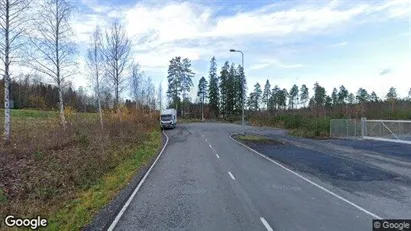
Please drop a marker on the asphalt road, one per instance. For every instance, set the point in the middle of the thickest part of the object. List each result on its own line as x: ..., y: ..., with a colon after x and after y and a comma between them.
x: 206, y: 181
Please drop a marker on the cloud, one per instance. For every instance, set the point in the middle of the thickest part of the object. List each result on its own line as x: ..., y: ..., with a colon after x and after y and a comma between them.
x: 339, y: 44
x: 269, y: 34
x: 277, y: 64
x: 385, y: 71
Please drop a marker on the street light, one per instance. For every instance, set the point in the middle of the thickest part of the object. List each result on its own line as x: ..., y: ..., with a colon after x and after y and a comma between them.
x: 242, y: 93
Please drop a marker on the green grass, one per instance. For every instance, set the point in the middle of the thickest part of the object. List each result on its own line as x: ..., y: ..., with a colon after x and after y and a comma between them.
x: 79, y: 212
x: 251, y: 137
x: 29, y: 113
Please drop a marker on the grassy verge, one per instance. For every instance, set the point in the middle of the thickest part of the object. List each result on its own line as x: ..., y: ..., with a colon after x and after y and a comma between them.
x: 255, y: 139
x: 297, y: 125
x: 80, y: 211
x: 67, y: 175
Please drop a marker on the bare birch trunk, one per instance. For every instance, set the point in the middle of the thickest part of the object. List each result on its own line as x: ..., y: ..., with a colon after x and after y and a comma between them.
x: 6, y: 107
x: 61, y: 104
x: 7, y: 76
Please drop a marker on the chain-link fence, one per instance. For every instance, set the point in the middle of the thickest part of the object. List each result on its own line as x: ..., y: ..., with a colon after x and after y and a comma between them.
x: 384, y: 130
x: 345, y: 128
x: 388, y: 130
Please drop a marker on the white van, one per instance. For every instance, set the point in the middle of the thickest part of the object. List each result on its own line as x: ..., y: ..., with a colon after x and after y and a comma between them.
x: 168, y: 118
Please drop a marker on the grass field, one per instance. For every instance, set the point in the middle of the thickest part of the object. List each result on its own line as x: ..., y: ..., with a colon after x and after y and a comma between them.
x: 68, y: 175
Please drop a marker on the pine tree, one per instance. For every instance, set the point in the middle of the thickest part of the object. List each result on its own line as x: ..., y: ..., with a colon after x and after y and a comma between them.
x: 328, y: 102
x: 224, y: 88
x: 174, y: 81
x: 179, y: 80
x: 392, y: 94
x: 231, y: 90
x: 304, y: 95
x: 334, y: 97
x: 374, y: 97
x: 293, y: 95
x: 186, y: 79
x: 351, y: 98
x: 202, y: 93
x: 202, y: 89
x: 213, y: 90
x: 282, y: 96
x: 342, y: 95
x: 240, y: 89
x: 274, y: 98
x: 266, y: 93
x: 362, y: 95
x: 257, y: 96
x: 319, y: 95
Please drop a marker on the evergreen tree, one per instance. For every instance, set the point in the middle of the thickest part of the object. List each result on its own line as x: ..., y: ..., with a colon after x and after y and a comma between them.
x: 328, y: 102
x: 374, y: 97
x: 362, y: 95
x: 240, y: 89
x: 186, y: 79
x: 179, y: 79
x: 334, y: 97
x: 351, y: 98
x: 392, y: 94
x: 202, y: 93
x: 282, y: 98
x: 174, y: 81
x: 319, y: 95
x: 304, y: 95
x: 342, y: 95
x: 274, y: 98
x: 202, y: 89
x: 231, y: 90
x: 224, y: 88
x: 266, y: 93
x: 257, y: 96
x: 251, y: 102
x: 213, y: 90
x: 293, y: 96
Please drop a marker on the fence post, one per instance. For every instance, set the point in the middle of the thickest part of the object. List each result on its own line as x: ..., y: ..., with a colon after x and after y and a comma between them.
x: 346, y: 127
x: 363, y: 127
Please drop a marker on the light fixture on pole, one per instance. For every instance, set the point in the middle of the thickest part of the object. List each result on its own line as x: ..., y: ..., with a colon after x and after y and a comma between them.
x: 242, y: 85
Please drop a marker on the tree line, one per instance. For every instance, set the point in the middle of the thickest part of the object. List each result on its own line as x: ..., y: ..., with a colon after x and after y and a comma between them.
x: 277, y: 98
x: 223, y: 92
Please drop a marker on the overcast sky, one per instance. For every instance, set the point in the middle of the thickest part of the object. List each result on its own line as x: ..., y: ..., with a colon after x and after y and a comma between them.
x: 354, y: 43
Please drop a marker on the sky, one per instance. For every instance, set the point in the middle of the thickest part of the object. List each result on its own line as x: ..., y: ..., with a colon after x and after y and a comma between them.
x: 352, y: 43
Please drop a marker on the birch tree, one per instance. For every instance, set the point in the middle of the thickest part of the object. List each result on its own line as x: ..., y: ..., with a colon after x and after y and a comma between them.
x: 95, y: 63
x: 117, y: 52
x: 135, y: 82
x: 53, y: 50
x: 13, y: 23
x: 160, y: 96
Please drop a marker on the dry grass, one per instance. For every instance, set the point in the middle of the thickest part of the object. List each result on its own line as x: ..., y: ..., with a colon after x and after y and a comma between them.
x: 46, y: 168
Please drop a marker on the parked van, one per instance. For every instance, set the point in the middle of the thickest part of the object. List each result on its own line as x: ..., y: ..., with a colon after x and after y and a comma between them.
x: 168, y: 118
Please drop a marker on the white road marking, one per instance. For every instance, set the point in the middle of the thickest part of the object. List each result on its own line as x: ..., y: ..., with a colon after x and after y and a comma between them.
x: 114, y: 223
x: 231, y: 175
x: 311, y: 182
x: 206, y: 140
x: 210, y: 145
x: 265, y: 223
x: 217, y: 156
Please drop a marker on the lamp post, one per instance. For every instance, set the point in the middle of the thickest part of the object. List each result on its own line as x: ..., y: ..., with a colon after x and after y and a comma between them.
x: 242, y: 85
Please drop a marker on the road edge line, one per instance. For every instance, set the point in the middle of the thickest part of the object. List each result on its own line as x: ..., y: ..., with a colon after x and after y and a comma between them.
x: 308, y: 180
x: 125, y: 206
